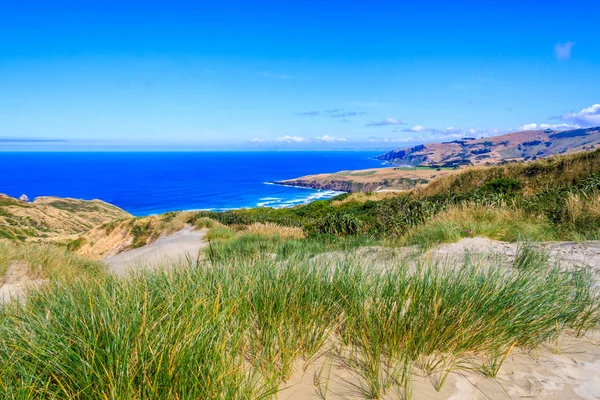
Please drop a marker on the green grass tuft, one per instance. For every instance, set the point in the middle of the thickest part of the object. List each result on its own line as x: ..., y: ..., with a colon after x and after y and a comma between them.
x: 237, y: 329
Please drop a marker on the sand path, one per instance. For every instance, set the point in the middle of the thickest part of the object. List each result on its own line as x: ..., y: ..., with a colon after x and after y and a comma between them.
x: 164, y: 252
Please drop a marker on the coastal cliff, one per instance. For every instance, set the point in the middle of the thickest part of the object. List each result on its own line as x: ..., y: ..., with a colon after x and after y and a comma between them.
x: 370, y: 180
x: 351, y: 186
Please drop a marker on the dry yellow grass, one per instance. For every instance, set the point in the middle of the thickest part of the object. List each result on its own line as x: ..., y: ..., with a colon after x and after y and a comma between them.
x: 270, y: 230
x: 583, y: 207
x: 53, y: 219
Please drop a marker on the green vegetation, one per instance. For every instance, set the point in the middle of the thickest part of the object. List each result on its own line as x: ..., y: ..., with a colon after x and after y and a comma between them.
x: 73, y: 207
x: 76, y: 244
x: 47, y: 262
x: 267, y: 301
x: 249, y: 246
x: 236, y: 329
x: 556, y: 198
x: 470, y: 220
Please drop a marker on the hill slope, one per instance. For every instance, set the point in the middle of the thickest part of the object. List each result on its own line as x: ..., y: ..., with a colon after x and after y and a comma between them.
x: 52, y: 218
x: 515, y: 146
x: 368, y: 180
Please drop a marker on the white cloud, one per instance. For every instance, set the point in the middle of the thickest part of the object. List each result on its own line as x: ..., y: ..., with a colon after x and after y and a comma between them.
x: 331, y: 139
x: 589, y: 116
x: 563, y: 50
x: 374, y: 139
x: 387, y: 121
x: 259, y: 140
x: 535, y: 127
x: 529, y: 127
x: 418, y: 128
x: 292, y: 139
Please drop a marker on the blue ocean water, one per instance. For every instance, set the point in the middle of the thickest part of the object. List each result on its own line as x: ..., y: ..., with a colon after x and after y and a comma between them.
x: 150, y: 183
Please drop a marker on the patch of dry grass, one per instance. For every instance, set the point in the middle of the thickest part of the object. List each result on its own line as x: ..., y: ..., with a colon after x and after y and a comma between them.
x: 270, y: 229
x: 583, y: 207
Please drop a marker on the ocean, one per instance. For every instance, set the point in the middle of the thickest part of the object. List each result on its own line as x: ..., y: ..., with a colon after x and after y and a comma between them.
x: 152, y: 183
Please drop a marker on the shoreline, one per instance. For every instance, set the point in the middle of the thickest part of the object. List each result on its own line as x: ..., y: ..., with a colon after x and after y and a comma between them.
x: 285, y: 203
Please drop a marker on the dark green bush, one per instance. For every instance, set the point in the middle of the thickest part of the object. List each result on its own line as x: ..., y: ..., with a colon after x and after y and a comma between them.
x: 340, y: 224
x: 502, y: 186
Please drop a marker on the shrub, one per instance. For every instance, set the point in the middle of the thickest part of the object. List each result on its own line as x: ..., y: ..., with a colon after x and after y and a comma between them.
x: 141, y: 233
x: 204, y: 222
x: 502, y: 186
x: 75, y: 244
x: 339, y: 224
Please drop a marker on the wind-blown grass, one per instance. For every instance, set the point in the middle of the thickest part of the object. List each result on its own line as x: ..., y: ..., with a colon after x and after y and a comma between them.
x: 235, y: 329
x: 47, y: 261
x: 467, y: 220
x: 225, y: 246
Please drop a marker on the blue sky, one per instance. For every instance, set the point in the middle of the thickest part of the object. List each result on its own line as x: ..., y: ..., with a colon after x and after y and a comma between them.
x: 291, y: 75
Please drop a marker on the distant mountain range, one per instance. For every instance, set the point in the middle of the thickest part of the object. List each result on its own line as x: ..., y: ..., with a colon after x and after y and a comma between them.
x: 516, y: 146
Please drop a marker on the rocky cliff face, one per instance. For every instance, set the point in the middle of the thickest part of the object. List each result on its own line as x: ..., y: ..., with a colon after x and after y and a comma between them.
x: 412, y: 156
x: 352, y: 186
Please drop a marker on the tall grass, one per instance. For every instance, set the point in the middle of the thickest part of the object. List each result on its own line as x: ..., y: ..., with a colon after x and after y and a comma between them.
x: 236, y: 329
x: 467, y: 220
x: 47, y: 261
x: 270, y: 229
x: 226, y: 246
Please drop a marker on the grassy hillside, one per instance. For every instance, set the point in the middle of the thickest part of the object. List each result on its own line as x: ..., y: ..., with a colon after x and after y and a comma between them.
x: 52, y: 219
x: 558, y: 197
x: 516, y: 146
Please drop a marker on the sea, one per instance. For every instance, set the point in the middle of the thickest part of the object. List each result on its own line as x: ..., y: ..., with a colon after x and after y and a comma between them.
x: 146, y: 183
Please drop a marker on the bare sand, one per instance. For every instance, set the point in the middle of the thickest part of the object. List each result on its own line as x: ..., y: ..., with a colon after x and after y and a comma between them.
x: 571, y: 370
x: 165, y: 251
x: 16, y: 282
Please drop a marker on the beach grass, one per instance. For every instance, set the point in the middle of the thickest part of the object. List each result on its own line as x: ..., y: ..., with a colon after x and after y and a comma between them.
x: 44, y: 261
x: 239, y: 328
x: 503, y: 223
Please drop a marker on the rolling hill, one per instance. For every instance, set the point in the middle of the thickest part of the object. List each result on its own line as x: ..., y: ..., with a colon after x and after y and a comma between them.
x: 516, y: 146
x: 53, y: 219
